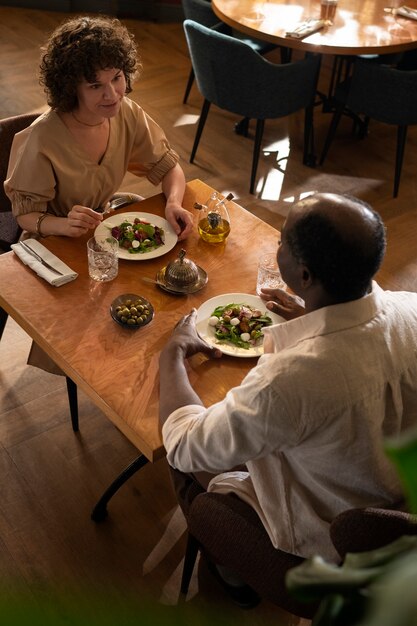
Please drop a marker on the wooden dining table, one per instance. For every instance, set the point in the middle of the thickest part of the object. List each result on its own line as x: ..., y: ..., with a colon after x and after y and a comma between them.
x: 359, y: 27
x: 117, y: 367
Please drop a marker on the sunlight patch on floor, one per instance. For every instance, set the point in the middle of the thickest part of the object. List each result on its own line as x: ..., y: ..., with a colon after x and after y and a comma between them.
x: 275, y: 155
x: 176, y: 527
x: 186, y: 120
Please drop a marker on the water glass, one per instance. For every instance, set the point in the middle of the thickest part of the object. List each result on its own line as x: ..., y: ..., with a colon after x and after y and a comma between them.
x: 268, y: 273
x: 103, y: 258
x: 328, y: 11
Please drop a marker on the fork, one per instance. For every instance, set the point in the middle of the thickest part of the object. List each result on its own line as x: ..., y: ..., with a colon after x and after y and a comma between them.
x: 117, y: 203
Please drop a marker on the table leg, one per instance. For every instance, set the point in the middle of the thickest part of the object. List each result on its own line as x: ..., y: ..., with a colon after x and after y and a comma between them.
x: 73, y: 403
x: 99, y: 512
x: 3, y: 320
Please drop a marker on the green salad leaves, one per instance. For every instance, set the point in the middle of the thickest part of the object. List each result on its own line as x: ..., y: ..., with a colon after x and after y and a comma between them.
x: 239, y: 324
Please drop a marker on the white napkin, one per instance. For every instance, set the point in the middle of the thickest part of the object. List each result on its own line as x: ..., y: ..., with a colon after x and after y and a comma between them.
x: 44, y: 272
x: 405, y: 11
x: 305, y: 28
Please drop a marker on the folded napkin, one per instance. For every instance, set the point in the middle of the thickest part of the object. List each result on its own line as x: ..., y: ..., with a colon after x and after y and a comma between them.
x: 36, y: 265
x: 405, y: 11
x: 305, y: 28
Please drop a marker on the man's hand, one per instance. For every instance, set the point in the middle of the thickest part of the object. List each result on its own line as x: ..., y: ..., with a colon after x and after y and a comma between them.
x: 282, y: 303
x: 176, y: 390
x: 186, y: 341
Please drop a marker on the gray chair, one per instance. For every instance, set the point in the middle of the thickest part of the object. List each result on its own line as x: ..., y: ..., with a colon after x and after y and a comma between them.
x: 378, y: 92
x: 10, y: 230
x: 200, y: 11
x: 231, y: 75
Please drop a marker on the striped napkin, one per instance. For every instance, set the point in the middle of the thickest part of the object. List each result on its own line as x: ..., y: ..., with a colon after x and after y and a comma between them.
x: 63, y: 273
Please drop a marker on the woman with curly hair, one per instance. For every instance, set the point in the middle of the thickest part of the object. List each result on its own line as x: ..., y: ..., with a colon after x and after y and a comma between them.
x: 73, y: 158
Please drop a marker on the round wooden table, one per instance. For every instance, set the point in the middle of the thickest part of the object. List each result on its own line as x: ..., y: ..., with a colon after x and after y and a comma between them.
x: 360, y: 26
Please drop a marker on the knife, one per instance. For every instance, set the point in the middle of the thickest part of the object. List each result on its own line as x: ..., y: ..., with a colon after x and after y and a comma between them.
x: 37, y: 256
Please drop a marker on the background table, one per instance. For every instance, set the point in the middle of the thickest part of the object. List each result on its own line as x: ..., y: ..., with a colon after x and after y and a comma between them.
x: 360, y: 26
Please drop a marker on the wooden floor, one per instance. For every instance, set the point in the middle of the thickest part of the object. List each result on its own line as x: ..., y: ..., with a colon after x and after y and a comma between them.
x: 49, y: 477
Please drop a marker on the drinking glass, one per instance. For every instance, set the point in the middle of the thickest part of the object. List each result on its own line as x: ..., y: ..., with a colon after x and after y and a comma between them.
x: 328, y: 11
x: 103, y: 258
x: 268, y: 273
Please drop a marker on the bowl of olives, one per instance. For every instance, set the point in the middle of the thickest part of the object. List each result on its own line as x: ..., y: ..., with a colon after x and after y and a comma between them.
x: 131, y: 311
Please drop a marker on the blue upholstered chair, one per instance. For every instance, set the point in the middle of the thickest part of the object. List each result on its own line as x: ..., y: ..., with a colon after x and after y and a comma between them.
x: 200, y: 11
x: 231, y: 75
x: 379, y: 92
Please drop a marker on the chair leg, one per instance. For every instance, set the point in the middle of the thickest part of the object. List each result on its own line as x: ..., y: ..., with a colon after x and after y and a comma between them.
x: 73, y: 403
x: 3, y: 320
x: 203, y: 117
x: 242, y: 127
x: 189, y: 562
x: 401, y: 137
x: 260, y: 124
x: 309, y: 158
x: 189, y: 85
x: 332, y: 131
x: 286, y: 54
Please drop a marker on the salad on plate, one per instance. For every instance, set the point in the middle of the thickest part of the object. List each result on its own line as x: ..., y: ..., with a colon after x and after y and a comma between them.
x: 139, y: 236
x: 239, y: 324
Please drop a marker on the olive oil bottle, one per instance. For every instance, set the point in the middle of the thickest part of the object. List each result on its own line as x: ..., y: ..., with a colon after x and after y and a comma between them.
x: 214, y: 220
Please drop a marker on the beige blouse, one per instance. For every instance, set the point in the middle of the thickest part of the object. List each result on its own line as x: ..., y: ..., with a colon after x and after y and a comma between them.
x: 49, y: 171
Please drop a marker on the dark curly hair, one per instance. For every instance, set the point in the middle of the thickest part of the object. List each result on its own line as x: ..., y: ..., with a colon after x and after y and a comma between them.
x: 344, y: 264
x: 77, y: 50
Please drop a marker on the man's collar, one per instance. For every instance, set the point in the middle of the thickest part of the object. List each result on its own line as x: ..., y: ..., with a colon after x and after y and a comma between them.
x: 327, y: 320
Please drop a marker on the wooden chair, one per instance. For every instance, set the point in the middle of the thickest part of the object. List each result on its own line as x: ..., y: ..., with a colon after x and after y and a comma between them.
x: 231, y: 75
x: 10, y: 230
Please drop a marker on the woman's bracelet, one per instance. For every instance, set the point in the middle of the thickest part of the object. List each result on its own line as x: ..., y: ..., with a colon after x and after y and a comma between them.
x: 39, y: 222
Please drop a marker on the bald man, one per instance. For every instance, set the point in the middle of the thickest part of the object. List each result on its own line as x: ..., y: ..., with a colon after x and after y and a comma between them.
x: 309, y: 420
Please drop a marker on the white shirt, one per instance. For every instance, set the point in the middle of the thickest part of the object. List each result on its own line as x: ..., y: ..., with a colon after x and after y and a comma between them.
x: 310, y: 419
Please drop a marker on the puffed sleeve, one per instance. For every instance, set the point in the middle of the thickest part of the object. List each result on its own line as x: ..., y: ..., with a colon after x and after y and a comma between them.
x: 151, y: 155
x: 30, y: 181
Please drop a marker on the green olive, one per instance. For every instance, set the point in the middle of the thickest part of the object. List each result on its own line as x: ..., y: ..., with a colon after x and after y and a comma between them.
x: 131, y: 321
x: 133, y: 310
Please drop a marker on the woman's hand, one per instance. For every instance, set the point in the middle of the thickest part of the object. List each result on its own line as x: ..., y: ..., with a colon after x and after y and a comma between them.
x: 186, y: 341
x: 282, y: 303
x: 180, y: 219
x: 80, y: 220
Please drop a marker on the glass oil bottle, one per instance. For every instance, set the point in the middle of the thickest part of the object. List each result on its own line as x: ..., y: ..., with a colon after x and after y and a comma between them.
x: 214, y: 220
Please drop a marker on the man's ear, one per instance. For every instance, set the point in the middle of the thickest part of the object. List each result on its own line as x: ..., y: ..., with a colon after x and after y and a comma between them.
x: 305, y: 276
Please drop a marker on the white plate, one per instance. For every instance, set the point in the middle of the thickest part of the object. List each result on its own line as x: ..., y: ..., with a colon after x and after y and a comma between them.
x: 207, y: 332
x: 171, y: 238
